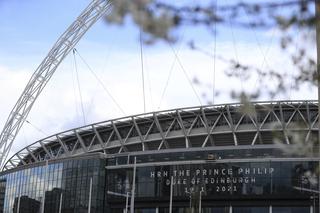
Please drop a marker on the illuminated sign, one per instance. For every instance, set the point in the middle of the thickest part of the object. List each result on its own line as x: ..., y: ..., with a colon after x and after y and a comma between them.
x: 224, y: 179
x: 215, y: 179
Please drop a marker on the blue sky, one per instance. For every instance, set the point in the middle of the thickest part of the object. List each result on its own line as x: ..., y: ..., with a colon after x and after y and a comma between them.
x: 28, y: 29
x: 31, y: 27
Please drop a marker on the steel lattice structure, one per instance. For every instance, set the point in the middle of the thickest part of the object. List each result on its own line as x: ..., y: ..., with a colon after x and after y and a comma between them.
x: 45, y: 70
x: 184, y: 128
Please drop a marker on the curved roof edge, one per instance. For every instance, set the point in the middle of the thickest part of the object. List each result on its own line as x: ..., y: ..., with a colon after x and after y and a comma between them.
x: 158, y: 130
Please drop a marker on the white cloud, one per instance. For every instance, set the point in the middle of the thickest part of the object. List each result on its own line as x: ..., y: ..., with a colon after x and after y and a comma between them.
x: 12, y: 83
x: 59, y: 108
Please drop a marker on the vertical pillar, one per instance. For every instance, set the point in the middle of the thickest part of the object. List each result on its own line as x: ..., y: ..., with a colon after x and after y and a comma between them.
x: 44, y: 187
x: 127, y: 201
x: 60, y: 203
x: 200, y: 201
x: 20, y: 186
x: 171, y: 194
x: 314, y: 203
x: 270, y: 209
x: 317, y: 23
x: 90, y: 195
x: 18, y: 206
x: 133, y: 185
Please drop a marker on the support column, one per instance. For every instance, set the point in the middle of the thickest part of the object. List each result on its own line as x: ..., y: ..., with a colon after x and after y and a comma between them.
x: 90, y: 196
x: 60, y: 203
x: 317, y: 23
x: 133, y: 185
x: 45, y: 186
x: 127, y: 202
x: 171, y: 192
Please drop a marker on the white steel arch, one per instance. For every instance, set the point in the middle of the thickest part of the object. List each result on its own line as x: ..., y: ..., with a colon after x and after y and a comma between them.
x: 45, y: 70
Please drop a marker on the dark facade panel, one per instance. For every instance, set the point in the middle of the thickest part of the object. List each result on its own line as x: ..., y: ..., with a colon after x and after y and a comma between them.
x: 225, y: 180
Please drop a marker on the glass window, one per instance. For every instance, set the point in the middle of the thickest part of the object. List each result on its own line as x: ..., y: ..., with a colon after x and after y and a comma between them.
x: 291, y: 209
x: 250, y: 209
x: 216, y: 210
x: 153, y: 210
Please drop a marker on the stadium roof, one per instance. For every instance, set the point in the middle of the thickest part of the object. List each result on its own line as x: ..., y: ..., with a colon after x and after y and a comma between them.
x: 182, y: 128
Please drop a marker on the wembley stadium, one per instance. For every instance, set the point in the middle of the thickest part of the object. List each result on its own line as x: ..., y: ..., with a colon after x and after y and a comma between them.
x: 210, y: 159
x: 227, y: 158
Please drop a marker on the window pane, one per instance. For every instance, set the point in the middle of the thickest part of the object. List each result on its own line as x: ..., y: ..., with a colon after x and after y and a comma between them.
x: 216, y: 210
x: 250, y: 209
x: 291, y: 209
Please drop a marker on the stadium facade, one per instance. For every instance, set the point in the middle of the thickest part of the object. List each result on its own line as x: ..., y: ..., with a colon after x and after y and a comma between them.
x: 217, y: 159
